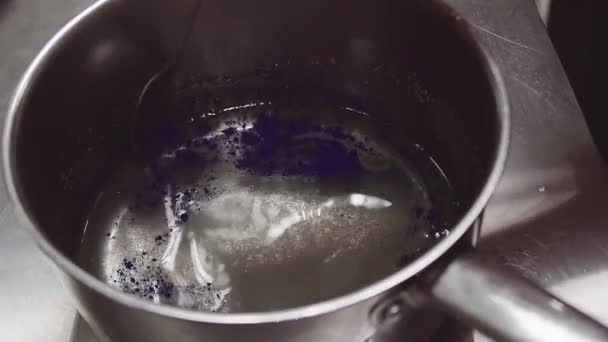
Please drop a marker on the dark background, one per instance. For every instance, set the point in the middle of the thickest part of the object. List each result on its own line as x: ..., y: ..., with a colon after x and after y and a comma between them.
x: 579, y: 30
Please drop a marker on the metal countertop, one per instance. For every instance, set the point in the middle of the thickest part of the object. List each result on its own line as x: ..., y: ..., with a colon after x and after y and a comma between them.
x: 546, y: 220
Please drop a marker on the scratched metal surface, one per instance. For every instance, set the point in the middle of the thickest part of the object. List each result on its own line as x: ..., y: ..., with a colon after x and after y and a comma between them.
x: 546, y: 219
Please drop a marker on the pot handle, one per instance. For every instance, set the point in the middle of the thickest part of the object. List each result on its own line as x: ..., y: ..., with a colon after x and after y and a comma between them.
x: 507, y: 307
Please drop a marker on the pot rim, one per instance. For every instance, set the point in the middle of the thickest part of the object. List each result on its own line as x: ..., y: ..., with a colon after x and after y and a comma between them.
x: 319, y: 308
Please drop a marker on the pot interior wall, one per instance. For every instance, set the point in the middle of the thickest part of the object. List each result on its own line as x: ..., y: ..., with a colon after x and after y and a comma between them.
x: 407, y: 63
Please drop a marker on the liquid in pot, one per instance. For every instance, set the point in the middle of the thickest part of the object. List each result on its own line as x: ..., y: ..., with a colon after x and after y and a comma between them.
x: 275, y: 207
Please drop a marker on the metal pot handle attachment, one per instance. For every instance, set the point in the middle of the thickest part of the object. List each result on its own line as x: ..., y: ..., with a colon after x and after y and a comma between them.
x: 507, y: 307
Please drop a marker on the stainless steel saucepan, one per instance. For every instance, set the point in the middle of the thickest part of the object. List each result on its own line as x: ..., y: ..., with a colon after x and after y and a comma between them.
x: 125, y: 79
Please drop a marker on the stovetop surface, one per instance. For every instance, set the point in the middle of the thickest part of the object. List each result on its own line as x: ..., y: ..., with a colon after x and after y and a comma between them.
x: 546, y: 219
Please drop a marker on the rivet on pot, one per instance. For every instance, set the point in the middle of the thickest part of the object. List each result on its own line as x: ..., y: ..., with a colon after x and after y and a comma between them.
x: 395, y: 307
x: 392, y: 310
x: 388, y: 312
